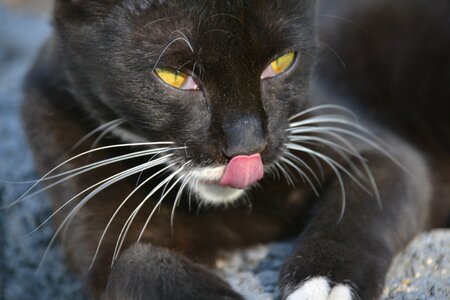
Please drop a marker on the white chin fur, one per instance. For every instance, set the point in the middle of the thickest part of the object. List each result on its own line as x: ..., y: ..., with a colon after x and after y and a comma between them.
x: 211, y: 193
x: 205, y: 185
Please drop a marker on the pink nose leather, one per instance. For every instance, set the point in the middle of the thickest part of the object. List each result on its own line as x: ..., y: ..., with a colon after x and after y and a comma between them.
x: 243, y: 171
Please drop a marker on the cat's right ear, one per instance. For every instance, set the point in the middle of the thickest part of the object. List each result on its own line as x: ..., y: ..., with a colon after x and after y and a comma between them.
x: 67, y: 10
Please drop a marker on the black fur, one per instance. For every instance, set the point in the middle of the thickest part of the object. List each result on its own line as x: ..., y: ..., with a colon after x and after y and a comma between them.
x: 397, y: 66
x: 169, y: 277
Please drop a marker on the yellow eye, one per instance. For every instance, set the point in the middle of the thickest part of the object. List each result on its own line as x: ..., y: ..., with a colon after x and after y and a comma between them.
x: 279, y: 65
x: 177, y: 79
x: 282, y: 63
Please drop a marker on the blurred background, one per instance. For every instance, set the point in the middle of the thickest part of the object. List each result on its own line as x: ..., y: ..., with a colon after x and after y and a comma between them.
x: 24, y: 26
x: 42, y: 6
x: 421, y: 272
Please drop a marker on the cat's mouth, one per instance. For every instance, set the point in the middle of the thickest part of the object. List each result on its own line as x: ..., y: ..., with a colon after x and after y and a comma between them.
x: 226, y: 184
x: 243, y: 171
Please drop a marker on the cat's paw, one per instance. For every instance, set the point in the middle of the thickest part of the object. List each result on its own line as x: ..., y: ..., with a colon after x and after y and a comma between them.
x: 319, y: 288
x: 147, y: 272
x: 325, y: 269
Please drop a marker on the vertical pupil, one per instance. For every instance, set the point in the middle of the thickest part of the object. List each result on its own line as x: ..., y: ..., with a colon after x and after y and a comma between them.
x: 278, y: 65
x: 277, y: 62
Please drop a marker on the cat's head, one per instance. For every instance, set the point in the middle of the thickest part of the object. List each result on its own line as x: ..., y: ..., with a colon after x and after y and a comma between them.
x: 219, y: 77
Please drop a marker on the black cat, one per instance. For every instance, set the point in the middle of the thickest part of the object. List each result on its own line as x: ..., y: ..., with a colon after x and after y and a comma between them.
x: 181, y: 128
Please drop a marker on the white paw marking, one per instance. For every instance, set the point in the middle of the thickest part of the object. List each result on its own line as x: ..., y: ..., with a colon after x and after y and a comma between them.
x: 341, y: 292
x: 319, y: 288
x: 313, y: 289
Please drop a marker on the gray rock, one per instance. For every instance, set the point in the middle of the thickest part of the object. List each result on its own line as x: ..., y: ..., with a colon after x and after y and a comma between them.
x: 422, y: 271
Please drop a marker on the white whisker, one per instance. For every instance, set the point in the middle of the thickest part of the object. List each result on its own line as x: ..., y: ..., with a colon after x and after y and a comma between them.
x: 160, y: 201
x: 319, y: 166
x: 324, y: 119
x: 140, y: 174
x: 346, y: 21
x: 167, y: 47
x: 159, y: 20
x: 341, y: 150
x: 184, y: 36
x: 303, y: 163
x: 156, y: 162
x: 329, y: 131
x: 120, y: 207
x: 334, y: 52
x: 78, y: 156
x: 328, y: 159
x: 358, y: 155
x: 343, y: 121
x: 303, y: 174
x: 105, y: 133
x: 191, y: 186
x: 285, y: 174
x: 271, y: 170
x: 196, y: 189
x: 129, y: 221
x: 176, y: 202
x: 323, y: 107
x: 371, y: 143
x: 84, y: 169
x: 113, y: 179
x: 333, y: 164
x: 100, y: 163
x: 93, y: 132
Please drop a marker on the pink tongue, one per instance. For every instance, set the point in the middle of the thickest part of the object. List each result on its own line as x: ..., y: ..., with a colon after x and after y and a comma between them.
x: 243, y: 171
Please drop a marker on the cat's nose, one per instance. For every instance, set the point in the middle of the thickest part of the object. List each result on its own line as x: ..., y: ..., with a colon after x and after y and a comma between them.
x: 244, y: 135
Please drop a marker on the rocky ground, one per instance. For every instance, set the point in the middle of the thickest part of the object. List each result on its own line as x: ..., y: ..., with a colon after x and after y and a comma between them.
x: 422, y: 271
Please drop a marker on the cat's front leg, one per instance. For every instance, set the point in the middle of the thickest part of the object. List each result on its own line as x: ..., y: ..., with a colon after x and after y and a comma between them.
x: 147, y: 272
x: 346, y: 259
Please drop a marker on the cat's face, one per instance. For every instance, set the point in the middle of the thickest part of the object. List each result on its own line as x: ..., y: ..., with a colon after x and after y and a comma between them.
x: 202, y: 74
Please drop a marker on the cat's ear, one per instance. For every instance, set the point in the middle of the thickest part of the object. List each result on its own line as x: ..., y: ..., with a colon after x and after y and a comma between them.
x: 80, y: 9
x: 66, y: 10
